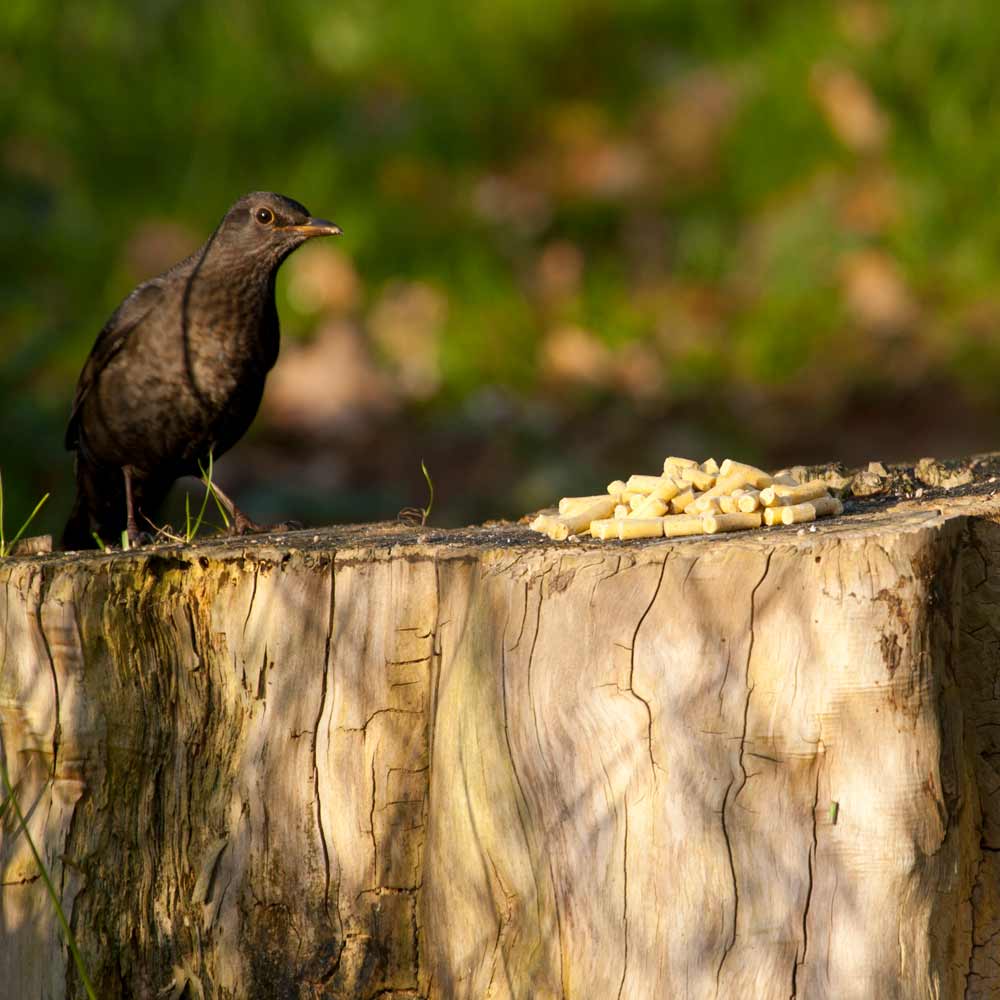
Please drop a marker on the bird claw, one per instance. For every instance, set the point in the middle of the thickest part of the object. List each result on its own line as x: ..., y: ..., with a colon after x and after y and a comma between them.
x: 244, y: 526
x: 286, y: 526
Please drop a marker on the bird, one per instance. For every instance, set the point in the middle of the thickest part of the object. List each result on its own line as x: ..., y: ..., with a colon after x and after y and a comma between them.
x: 176, y: 374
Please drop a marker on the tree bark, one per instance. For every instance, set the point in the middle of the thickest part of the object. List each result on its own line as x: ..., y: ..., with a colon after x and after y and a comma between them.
x: 400, y: 762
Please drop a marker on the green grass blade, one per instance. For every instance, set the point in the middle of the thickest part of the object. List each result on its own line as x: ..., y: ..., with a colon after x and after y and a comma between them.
x: 43, y: 871
x: 430, y: 487
x: 210, y: 489
x: 222, y: 510
x: 206, y: 478
x: 5, y: 546
x: 24, y: 527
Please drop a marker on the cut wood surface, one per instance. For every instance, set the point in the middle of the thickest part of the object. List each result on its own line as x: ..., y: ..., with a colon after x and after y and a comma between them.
x: 398, y: 762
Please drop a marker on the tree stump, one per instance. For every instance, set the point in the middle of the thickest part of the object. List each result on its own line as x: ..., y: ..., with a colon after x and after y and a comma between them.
x: 400, y: 762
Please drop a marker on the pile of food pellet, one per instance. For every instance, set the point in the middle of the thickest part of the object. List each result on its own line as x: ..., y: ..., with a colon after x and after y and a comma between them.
x: 691, y: 498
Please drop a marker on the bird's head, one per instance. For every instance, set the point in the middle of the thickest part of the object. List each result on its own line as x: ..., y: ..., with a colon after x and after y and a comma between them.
x: 269, y: 227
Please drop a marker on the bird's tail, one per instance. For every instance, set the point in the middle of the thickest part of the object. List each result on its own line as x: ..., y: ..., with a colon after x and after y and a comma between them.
x: 77, y: 533
x: 99, y: 508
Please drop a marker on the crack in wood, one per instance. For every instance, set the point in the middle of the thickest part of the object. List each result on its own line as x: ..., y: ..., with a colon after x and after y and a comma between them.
x: 253, y: 595
x: 563, y: 980
x: 314, y: 747
x: 521, y: 800
x: 56, y: 725
x: 621, y: 985
x: 503, y: 920
x: 736, y: 888
x: 531, y: 658
x: 631, y: 669
x: 796, y: 963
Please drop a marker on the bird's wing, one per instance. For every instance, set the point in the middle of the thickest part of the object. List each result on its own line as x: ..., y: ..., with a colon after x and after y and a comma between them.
x: 109, y: 342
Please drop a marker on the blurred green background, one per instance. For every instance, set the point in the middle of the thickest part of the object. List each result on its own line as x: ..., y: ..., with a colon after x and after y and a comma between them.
x: 580, y: 234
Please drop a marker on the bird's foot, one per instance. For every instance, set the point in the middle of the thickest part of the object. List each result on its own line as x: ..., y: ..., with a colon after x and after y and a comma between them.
x: 136, y: 538
x: 286, y: 526
x: 242, y: 525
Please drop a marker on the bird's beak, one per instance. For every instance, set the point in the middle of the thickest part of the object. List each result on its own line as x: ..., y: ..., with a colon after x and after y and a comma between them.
x: 315, y: 227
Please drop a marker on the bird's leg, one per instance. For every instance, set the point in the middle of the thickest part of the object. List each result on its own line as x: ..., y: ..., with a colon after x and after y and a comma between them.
x: 131, y: 527
x: 242, y: 525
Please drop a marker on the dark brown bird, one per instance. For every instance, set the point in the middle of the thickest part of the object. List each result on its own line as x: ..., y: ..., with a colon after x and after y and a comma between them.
x: 178, y: 371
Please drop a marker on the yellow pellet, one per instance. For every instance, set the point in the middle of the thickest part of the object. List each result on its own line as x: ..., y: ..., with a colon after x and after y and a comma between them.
x: 580, y: 521
x: 683, y: 525
x: 797, y: 513
x: 644, y: 484
x: 680, y: 503
x: 647, y: 527
x: 668, y: 490
x: 772, y: 516
x: 776, y: 494
x: 732, y: 471
x: 809, y: 511
x: 815, y: 488
x: 706, y: 504
x: 562, y: 526
x: 651, y: 507
x: 728, y: 504
x: 738, y: 478
x: 554, y: 527
x: 672, y: 464
x: 698, y: 479
x: 730, y: 522
x: 604, y: 528
x: 570, y: 505
x: 691, y: 498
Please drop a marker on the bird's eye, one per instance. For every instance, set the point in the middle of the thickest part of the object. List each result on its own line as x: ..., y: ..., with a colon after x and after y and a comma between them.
x: 264, y: 216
